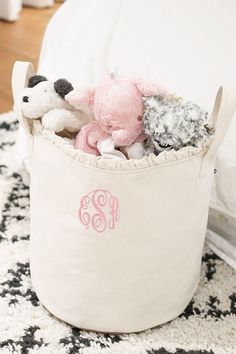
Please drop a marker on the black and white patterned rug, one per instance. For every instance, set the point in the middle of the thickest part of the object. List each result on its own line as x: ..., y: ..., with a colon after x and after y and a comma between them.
x: 207, y: 326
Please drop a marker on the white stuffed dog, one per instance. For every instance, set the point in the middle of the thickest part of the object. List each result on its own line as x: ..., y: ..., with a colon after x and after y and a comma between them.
x: 45, y: 99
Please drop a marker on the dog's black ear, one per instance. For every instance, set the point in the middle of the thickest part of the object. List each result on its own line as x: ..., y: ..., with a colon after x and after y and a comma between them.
x: 62, y: 87
x: 35, y: 80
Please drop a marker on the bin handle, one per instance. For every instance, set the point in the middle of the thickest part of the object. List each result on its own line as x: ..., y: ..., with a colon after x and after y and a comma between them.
x: 222, y: 114
x: 21, y: 73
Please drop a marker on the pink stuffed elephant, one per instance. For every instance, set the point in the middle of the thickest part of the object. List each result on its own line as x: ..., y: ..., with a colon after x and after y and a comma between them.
x: 117, y: 105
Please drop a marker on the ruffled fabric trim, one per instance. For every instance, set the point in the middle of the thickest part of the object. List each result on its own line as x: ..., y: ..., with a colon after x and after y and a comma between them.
x: 165, y: 157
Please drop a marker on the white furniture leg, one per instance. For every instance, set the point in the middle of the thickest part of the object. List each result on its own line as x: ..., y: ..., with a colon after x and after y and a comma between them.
x: 38, y: 3
x: 10, y: 9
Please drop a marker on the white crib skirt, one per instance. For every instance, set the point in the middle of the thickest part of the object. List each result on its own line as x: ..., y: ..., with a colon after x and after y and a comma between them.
x: 222, y: 214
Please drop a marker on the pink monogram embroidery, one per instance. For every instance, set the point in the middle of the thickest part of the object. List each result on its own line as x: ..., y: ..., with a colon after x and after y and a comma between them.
x: 100, y: 209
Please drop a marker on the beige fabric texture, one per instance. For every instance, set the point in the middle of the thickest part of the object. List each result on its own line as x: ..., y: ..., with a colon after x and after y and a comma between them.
x: 118, y: 248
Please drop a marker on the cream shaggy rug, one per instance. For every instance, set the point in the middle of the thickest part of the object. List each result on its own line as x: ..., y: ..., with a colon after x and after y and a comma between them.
x: 207, y: 326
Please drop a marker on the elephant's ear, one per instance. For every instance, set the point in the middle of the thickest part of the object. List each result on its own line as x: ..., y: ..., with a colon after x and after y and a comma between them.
x: 79, y: 98
x: 35, y: 80
x: 148, y: 88
x: 62, y: 87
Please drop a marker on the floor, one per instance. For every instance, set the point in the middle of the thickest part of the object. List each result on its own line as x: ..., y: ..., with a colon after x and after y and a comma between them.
x: 20, y: 40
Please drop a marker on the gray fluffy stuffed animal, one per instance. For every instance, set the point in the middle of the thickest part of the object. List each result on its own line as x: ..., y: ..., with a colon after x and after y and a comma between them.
x: 45, y: 99
x: 172, y: 124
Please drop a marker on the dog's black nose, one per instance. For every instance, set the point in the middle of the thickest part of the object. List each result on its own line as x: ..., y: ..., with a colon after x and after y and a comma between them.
x: 25, y: 99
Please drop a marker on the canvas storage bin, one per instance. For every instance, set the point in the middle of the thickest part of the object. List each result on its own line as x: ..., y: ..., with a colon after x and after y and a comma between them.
x: 116, y: 246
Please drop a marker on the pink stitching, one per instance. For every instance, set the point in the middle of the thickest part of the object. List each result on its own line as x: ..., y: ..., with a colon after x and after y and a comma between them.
x: 100, y: 209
